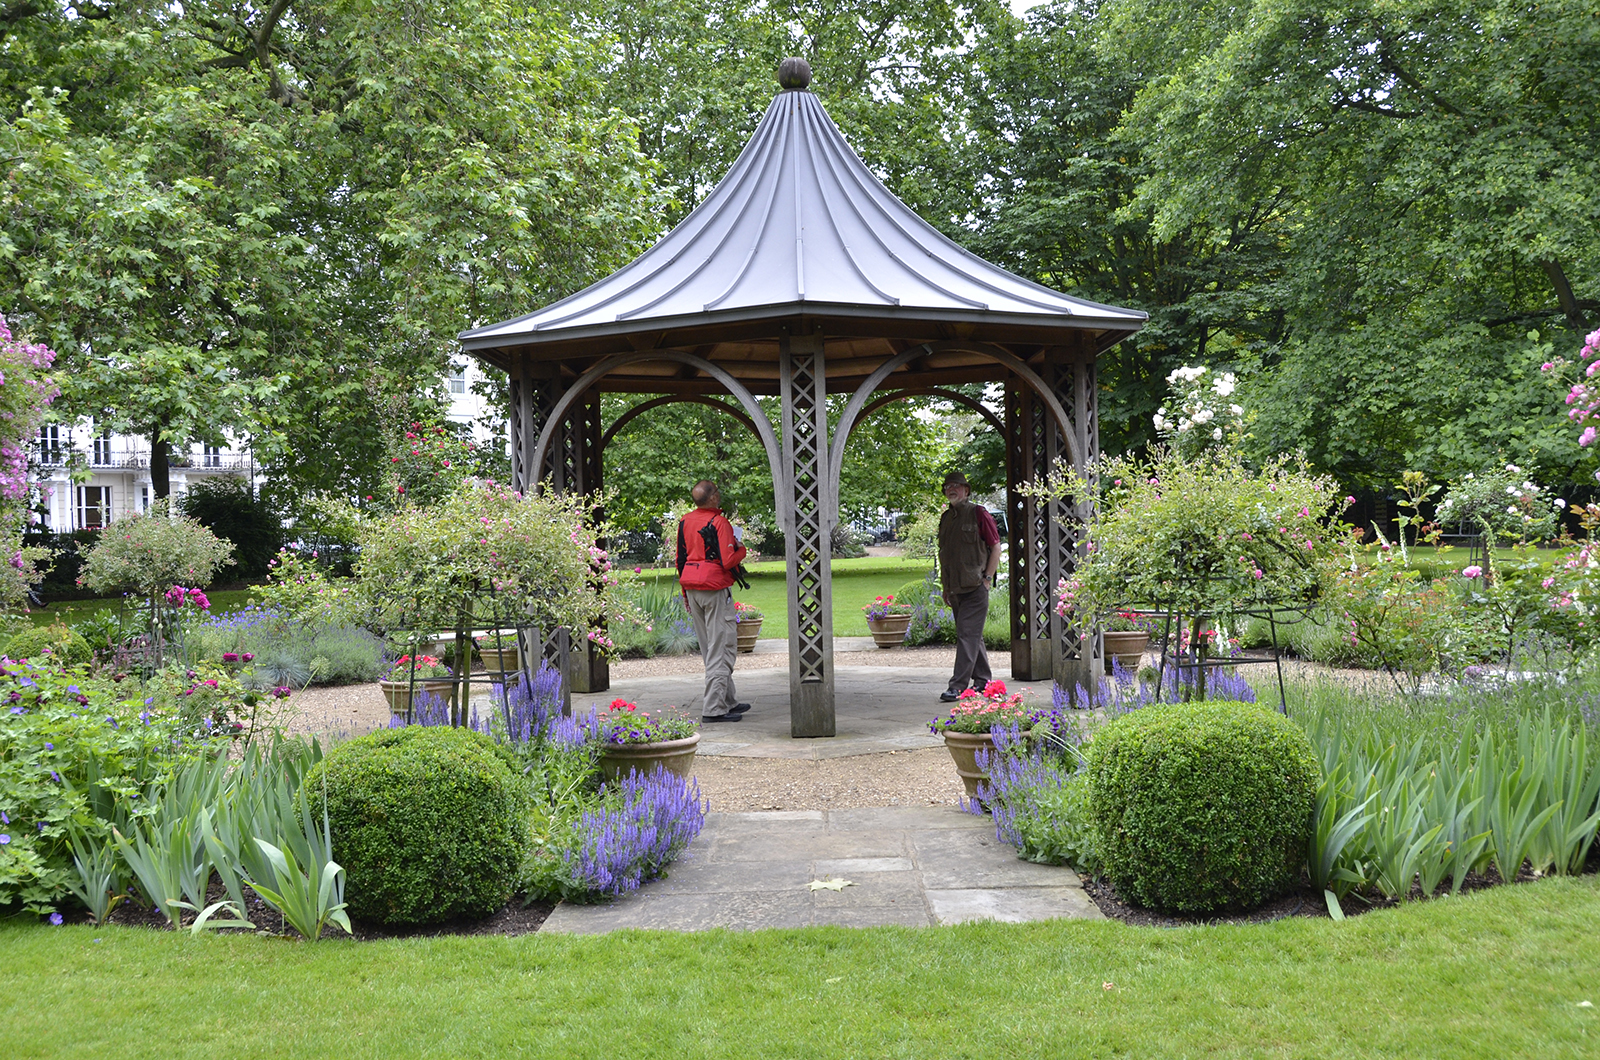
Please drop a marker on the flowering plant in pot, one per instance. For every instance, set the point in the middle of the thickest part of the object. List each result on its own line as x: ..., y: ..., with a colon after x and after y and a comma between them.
x: 743, y: 612
x: 966, y: 729
x: 425, y: 667
x: 885, y: 607
x: 634, y: 740
x: 888, y: 620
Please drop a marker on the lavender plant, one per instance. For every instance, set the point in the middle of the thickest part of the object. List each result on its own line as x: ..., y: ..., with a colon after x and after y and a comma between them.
x: 641, y: 826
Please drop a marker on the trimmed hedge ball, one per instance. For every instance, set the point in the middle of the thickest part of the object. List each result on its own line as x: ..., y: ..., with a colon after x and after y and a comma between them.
x: 1202, y: 807
x: 65, y: 644
x: 427, y: 822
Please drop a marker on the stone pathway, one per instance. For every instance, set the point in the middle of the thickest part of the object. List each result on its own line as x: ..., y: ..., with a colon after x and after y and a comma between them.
x: 912, y: 867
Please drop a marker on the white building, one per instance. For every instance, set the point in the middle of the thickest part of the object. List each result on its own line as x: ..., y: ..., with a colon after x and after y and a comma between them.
x: 467, y: 407
x: 119, y: 472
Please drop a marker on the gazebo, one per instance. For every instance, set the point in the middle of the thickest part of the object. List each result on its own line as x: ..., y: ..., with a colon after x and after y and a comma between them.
x: 801, y: 276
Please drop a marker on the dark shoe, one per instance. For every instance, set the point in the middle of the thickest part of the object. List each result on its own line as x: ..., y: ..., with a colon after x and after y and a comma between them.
x: 739, y: 708
x: 719, y: 717
x: 949, y: 697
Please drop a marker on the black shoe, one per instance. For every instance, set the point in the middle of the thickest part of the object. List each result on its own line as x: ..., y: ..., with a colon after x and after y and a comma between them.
x: 949, y: 697
x: 719, y: 717
x: 739, y: 708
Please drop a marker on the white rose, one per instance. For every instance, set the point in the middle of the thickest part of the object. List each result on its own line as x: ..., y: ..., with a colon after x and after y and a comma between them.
x: 1511, y: 510
x: 1216, y: 433
x: 1559, y: 503
x: 1237, y: 410
x: 1224, y: 386
x: 1184, y: 425
x: 1511, y: 491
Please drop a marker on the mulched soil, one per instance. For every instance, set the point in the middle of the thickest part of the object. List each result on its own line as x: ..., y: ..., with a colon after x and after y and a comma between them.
x: 1304, y: 900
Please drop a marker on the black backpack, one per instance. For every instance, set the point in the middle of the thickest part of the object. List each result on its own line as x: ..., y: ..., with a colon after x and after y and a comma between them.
x: 713, y: 547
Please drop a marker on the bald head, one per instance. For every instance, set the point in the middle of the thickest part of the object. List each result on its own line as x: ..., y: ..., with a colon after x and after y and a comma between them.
x: 704, y: 494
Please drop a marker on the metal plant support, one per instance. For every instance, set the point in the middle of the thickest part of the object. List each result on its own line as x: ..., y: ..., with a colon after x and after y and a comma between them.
x: 532, y: 641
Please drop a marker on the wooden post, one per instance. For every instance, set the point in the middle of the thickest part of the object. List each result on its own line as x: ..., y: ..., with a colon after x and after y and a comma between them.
x: 809, y: 528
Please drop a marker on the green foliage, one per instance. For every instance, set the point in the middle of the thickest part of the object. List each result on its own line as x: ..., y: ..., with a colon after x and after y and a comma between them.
x: 1412, y: 799
x: 1371, y: 140
x: 229, y: 507
x: 1202, y: 807
x: 70, y: 750
x: 275, y: 227
x: 25, y: 393
x: 149, y: 552
x: 56, y: 645
x: 1202, y: 536
x: 426, y: 821
x: 536, y: 552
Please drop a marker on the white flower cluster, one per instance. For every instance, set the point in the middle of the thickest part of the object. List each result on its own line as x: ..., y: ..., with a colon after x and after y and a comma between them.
x: 1198, y: 417
x: 1474, y: 505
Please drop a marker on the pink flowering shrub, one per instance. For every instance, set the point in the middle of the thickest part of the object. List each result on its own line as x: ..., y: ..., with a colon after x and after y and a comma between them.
x: 1583, y: 396
x: 26, y: 390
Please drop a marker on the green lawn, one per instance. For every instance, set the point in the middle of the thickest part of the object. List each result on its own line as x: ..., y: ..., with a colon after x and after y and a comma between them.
x: 223, y: 601
x: 855, y: 583
x: 1500, y: 973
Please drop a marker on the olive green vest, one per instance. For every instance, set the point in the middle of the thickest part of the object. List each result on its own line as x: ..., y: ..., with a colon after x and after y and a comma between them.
x: 963, y: 557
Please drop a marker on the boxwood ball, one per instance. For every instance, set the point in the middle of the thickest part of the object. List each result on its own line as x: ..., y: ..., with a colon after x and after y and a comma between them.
x: 1202, y: 807
x: 426, y: 822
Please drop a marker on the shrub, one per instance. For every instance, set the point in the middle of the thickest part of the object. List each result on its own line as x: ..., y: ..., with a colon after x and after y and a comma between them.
x: 231, y: 509
x: 151, y: 551
x: 426, y: 822
x: 65, y: 645
x: 1202, y: 806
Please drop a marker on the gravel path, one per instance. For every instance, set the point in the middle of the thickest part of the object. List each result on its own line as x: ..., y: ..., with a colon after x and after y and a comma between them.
x: 737, y: 784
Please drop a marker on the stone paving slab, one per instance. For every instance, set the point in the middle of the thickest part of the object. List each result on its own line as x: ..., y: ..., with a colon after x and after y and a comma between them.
x: 908, y: 866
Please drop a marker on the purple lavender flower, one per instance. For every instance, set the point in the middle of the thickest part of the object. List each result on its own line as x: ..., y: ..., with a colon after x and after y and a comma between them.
x: 620, y: 848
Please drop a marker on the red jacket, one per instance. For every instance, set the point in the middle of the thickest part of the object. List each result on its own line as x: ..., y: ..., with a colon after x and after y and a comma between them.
x: 694, y: 570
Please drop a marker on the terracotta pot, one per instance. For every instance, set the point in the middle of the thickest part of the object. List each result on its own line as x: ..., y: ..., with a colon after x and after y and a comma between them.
x: 675, y: 756
x: 1127, y: 646
x: 747, y: 632
x: 889, y: 631
x: 498, y: 659
x: 398, y: 693
x: 964, y: 748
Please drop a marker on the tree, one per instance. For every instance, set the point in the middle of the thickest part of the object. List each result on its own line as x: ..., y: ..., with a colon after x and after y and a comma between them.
x: 276, y: 219
x: 1429, y: 168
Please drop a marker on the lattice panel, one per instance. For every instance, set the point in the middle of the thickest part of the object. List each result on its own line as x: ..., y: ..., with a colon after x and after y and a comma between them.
x: 514, y: 425
x: 1019, y: 513
x: 806, y: 442
x: 1042, y: 573
x: 1072, y: 383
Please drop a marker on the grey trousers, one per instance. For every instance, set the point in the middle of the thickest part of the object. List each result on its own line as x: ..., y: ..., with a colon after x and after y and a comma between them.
x: 711, y: 611
x: 972, y: 662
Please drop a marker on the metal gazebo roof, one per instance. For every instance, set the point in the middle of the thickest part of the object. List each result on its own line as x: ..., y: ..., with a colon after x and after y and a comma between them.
x: 801, y: 230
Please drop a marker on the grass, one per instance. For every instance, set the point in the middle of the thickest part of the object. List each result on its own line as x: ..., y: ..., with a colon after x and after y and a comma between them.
x: 223, y: 601
x: 855, y: 583
x: 1497, y: 973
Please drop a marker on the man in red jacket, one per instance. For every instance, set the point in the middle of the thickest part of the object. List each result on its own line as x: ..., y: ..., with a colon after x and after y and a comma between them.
x: 708, y: 551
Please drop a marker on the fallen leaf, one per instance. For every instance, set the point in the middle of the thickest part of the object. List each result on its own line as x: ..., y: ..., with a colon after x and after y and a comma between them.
x: 1108, y: 986
x: 1581, y: 1004
x: 831, y: 885
x: 835, y: 979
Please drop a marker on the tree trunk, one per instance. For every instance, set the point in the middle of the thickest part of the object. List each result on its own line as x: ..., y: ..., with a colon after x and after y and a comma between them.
x: 160, y: 467
x: 1564, y: 296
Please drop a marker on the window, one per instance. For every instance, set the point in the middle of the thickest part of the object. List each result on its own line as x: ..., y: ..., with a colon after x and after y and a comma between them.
x: 102, y: 448
x: 213, y: 456
x: 94, y: 507
x: 144, y: 498
x: 458, y: 381
x: 50, y: 444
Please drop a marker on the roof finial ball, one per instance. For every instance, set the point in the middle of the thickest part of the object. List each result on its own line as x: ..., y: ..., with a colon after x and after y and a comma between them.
x: 794, y: 73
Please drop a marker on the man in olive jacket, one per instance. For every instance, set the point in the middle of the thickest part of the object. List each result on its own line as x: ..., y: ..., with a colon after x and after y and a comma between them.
x: 969, y: 556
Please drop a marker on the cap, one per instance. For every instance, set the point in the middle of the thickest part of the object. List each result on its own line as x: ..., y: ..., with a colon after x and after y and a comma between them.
x: 955, y: 478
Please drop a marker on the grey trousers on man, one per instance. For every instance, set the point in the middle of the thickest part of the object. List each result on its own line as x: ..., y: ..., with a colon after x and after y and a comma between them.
x: 711, y: 611
x: 972, y: 662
